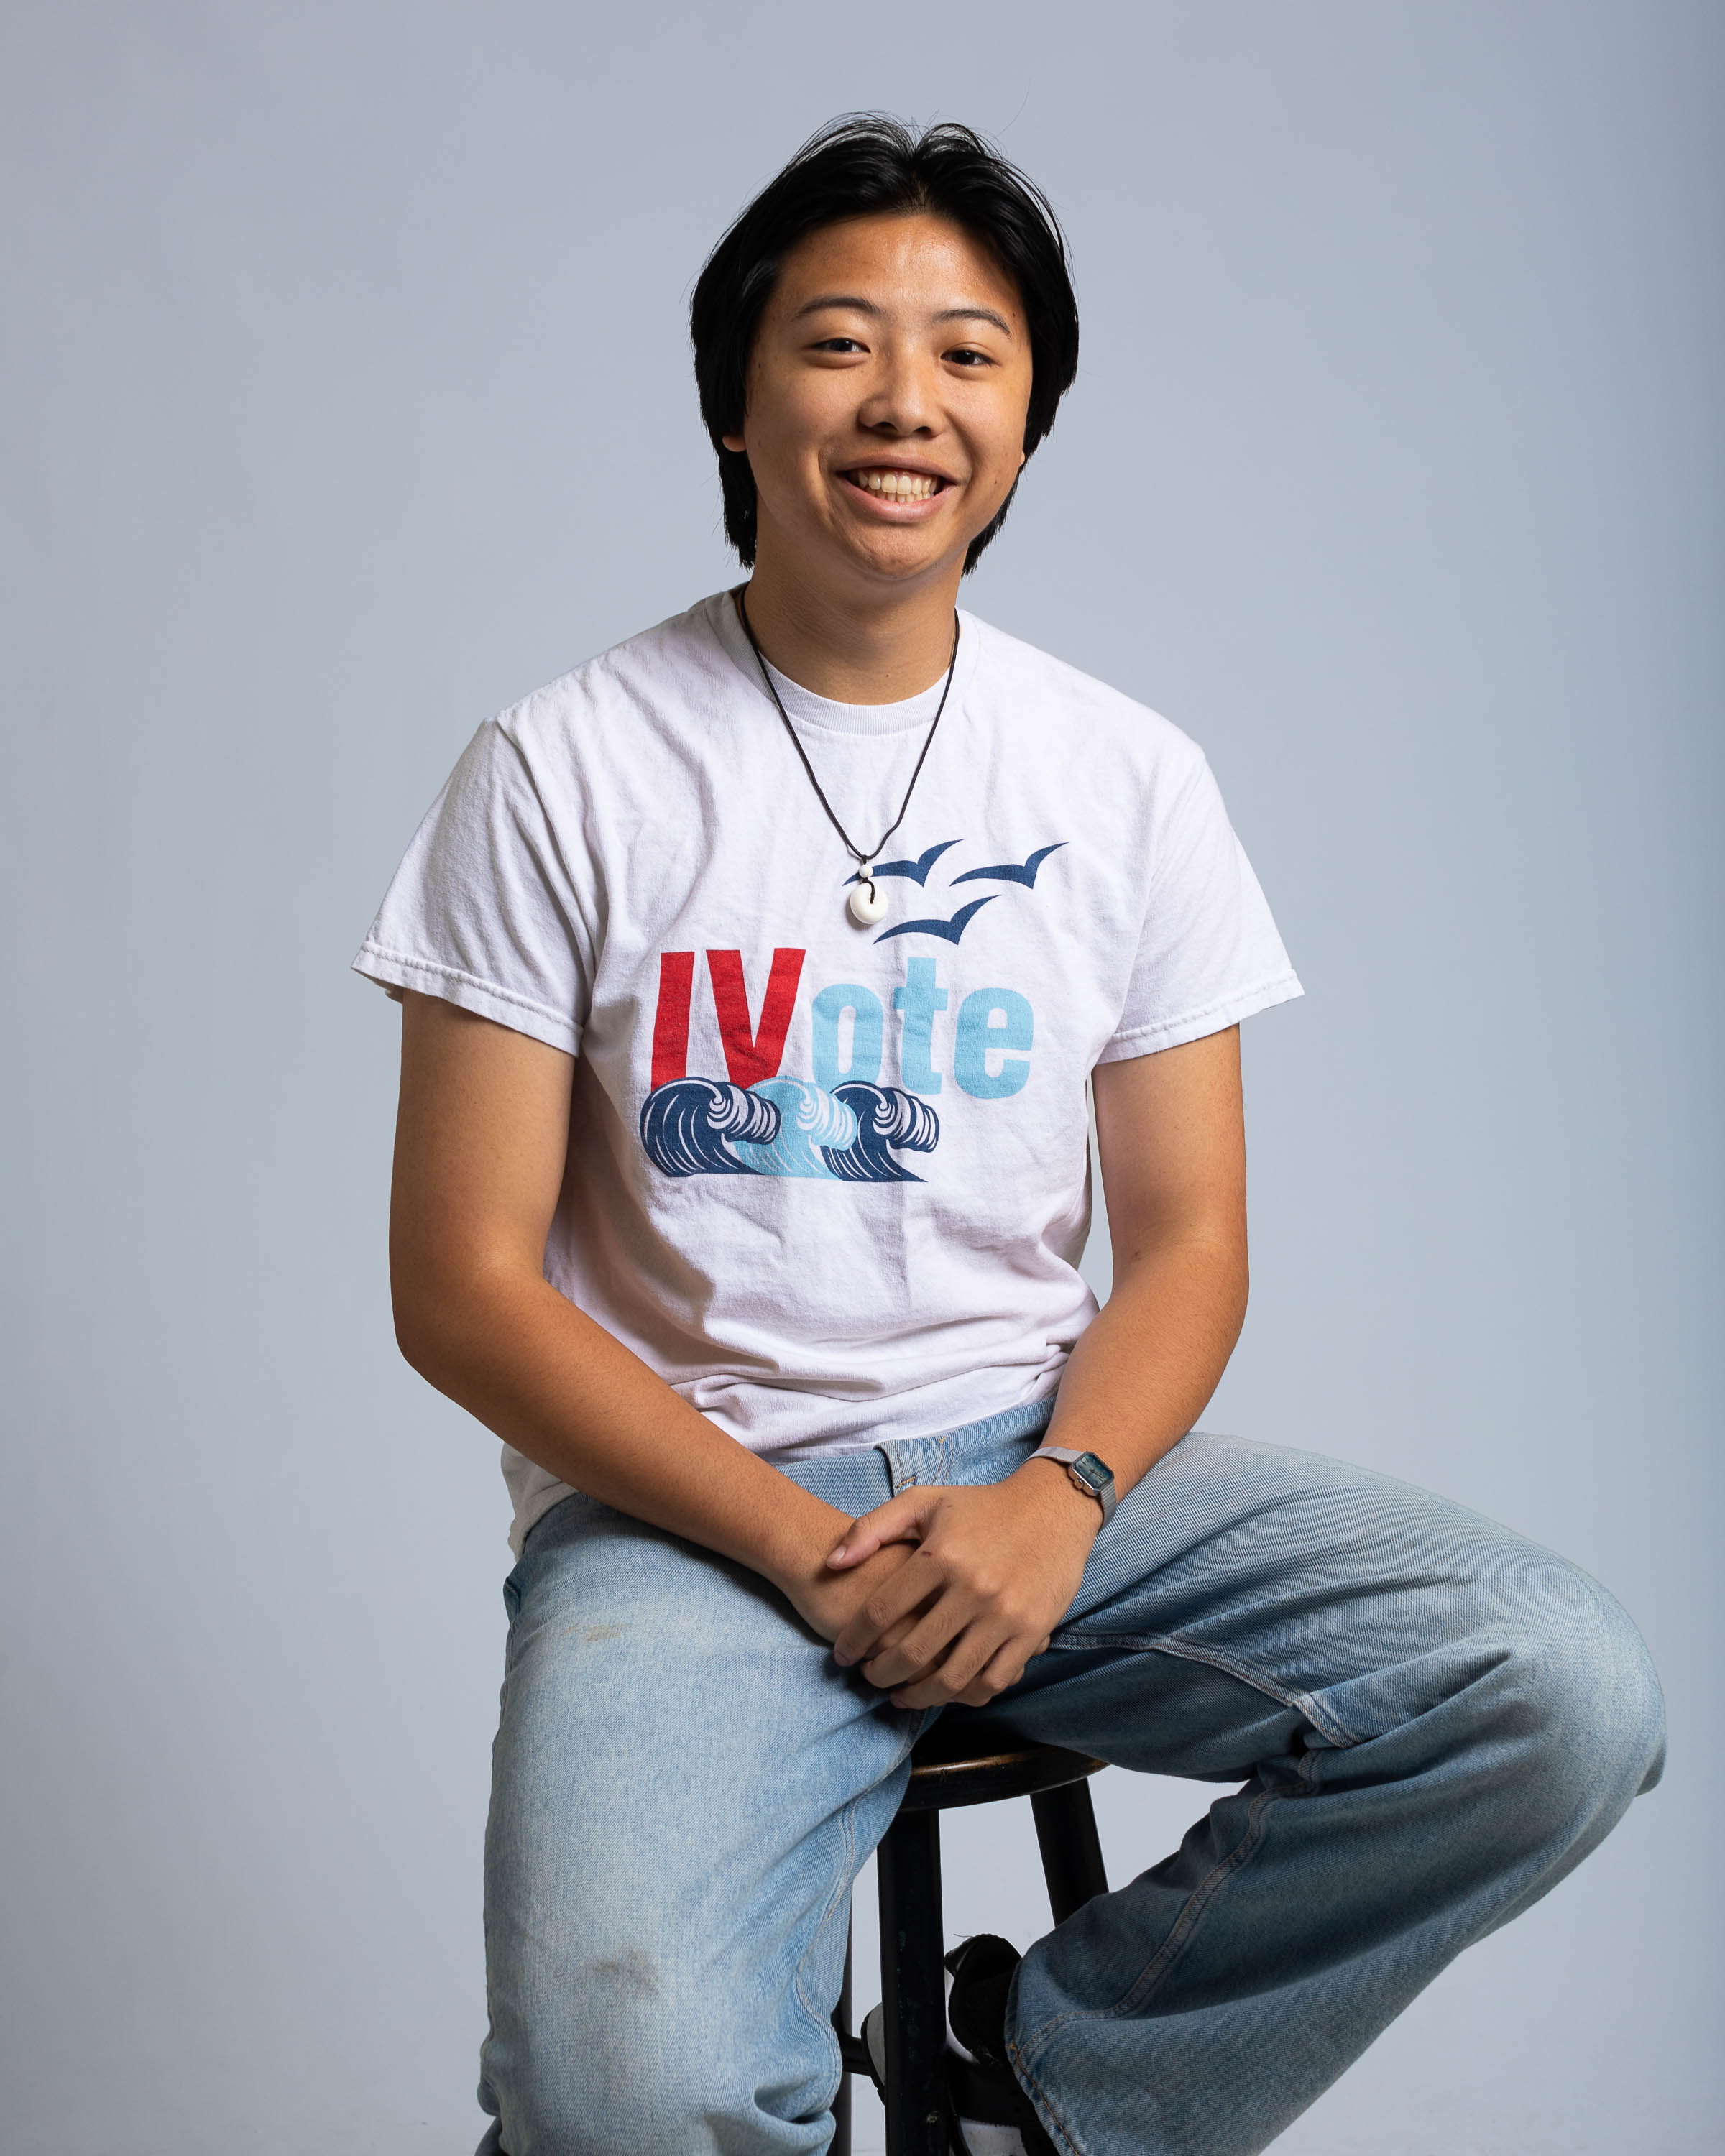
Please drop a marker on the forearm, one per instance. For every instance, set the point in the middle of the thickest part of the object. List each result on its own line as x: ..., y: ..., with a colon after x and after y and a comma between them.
x: 480, y: 1152
x: 1144, y: 1369
x: 564, y: 1392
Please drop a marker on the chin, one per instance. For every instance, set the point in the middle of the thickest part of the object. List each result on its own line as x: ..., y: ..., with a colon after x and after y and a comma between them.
x: 890, y: 555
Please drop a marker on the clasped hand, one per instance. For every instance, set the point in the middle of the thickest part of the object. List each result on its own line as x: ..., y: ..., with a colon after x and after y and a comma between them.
x: 991, y: 1572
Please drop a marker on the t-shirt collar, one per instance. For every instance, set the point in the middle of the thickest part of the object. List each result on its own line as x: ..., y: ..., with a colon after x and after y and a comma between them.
x: 808, y: 710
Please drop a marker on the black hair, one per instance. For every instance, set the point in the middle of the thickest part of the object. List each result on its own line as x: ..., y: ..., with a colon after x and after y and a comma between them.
x: 868, y: 164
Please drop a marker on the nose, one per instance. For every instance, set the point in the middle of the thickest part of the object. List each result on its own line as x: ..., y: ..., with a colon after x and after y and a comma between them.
x: 902, y: 399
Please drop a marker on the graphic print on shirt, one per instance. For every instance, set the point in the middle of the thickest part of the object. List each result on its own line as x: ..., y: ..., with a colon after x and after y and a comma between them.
x: 757, y: 1123
x: 951, y: 930
x: 841, y: 1125
x: 1024, y: 872
x: 917, y: 870
x: 785, y: 1126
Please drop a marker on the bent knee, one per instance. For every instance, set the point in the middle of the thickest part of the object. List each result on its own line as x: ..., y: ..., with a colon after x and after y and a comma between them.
x: 631, y: 2056
x: 1580, y: 1689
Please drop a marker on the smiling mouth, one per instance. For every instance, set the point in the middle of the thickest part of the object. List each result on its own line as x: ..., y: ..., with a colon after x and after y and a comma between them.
x: 890, y: 484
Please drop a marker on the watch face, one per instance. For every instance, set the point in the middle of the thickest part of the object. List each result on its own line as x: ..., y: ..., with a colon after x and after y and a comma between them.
x: 1096, y: 1472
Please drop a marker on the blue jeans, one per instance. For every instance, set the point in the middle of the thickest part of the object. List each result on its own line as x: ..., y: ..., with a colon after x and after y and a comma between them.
x: 1424, y: 1721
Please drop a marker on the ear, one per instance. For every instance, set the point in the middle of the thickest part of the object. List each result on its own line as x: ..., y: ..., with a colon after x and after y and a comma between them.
x: 733, y: 442
x: 1024, y: 458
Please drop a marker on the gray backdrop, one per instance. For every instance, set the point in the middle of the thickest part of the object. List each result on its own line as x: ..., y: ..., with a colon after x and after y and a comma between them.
x: 349, y: 400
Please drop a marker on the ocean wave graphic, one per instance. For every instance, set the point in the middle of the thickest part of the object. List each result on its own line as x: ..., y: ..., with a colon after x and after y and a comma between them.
x: 689, y: 1126
x: 810, y: 1121
x: 887, y: 1120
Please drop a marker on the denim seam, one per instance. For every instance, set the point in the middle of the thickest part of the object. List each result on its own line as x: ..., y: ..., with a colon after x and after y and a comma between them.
x: 1055, y: 2126
x: 841, y: 1887
x: 840, y: 1896
x: 1170, y: 1953
x: 1315, y: 1710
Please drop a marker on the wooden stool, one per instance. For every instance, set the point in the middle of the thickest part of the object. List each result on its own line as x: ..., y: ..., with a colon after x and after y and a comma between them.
x: 954, y: 1765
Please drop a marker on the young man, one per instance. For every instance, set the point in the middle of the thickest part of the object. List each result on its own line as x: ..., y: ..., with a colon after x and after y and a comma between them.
x: 753, y: 975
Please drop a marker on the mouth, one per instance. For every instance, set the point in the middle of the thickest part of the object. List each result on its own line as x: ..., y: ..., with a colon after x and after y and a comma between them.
x: 895, y: 484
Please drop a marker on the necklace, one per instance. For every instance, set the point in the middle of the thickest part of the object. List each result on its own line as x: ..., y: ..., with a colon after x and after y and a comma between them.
x: 865, y: 905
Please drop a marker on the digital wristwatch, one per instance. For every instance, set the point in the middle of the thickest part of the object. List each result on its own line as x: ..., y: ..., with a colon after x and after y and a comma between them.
x: 1086, y: 1472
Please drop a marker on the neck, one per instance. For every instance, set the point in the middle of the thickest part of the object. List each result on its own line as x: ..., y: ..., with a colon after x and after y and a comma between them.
x: 875, y: 647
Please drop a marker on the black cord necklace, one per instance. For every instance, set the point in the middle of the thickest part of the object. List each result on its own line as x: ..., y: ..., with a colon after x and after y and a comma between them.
x: 865, y: 905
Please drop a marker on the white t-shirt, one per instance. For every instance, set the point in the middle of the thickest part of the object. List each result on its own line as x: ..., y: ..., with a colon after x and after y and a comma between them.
x: 832, y: 1182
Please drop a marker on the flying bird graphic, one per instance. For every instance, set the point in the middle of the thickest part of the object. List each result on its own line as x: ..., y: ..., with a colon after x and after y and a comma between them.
x: 951, y: 930
x: 917, y: 870
x: 1024, y: 872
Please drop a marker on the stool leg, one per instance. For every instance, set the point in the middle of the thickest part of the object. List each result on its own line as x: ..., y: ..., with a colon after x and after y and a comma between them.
x: 1072, y: 1849
x: 913, y: 1985
x: 840, y: 2145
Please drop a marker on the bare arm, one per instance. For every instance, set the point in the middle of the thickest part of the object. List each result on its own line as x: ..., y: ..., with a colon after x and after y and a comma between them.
x: 1170, y: 1131
x: 481, y: 1135
x: 995, y: 1569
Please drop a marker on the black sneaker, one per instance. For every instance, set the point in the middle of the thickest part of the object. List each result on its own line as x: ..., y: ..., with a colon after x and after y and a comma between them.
x: 984, y: 2117
x: 985, y: 2094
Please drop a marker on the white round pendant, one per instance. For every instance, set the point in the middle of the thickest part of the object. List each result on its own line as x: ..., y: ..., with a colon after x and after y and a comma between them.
x: 866, y: 904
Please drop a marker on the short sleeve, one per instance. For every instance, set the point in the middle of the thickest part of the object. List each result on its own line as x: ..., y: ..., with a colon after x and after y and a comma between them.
x: 1208, y: 954
x: 486, y: 910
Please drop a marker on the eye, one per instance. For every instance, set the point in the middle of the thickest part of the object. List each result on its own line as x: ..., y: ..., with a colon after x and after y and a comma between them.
x: 968, y: 356
x: 836, y: 344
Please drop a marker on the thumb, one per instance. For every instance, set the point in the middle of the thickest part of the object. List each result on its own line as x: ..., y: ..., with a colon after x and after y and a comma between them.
x: 902, y: 1519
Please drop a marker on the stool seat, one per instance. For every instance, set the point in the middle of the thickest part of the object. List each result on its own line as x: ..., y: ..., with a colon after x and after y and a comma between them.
x: 953, y: 1765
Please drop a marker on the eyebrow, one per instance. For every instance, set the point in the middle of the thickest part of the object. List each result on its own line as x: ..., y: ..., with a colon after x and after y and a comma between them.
x: 862, y: 307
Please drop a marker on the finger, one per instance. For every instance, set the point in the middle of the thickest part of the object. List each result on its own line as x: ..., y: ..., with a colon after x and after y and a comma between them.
x: 927, y: 1688
x: 951, y: 1681
x: 905, y: 1592
x: 928, y: 1642
x: 901, y: 1519
x: 998, y: 1675
x: 893, y: 1633
x: 937, y: 1647
x: 970, y: 1676
x: 918, y: 1653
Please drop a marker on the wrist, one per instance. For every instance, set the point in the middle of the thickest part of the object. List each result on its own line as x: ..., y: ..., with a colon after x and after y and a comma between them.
x: 800, y: 1538
x: 1069, y: 1510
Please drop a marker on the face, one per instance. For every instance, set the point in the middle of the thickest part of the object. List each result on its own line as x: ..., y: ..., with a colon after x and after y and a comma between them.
x: 887, y: 393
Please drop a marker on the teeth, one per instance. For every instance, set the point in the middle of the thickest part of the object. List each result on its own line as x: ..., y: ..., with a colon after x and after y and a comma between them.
x: 898, y: 485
